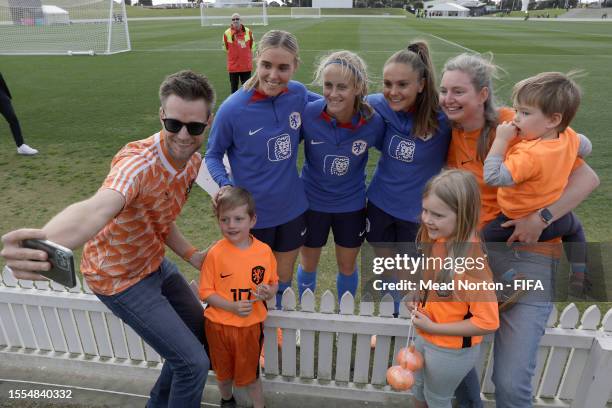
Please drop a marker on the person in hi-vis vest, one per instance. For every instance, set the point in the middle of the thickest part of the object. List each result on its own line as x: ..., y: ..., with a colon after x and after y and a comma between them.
x: 238, y: 42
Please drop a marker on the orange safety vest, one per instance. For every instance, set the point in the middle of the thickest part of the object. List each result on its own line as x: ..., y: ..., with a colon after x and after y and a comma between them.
x: 239, y: 46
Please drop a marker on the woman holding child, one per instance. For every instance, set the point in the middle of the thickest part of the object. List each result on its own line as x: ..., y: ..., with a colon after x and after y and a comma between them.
x: 466, y: 96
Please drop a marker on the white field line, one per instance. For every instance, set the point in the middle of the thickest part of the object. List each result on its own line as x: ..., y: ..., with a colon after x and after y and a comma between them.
x: 87, y: 389
x: 454, y: 44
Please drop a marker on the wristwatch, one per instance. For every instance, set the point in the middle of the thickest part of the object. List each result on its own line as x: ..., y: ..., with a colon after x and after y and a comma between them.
x: 546, y: 216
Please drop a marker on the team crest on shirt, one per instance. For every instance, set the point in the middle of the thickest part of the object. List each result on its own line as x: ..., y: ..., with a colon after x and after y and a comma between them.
x: 257, y: 274
x: 336, y: 165
x: 402, y: 149
x: 279, y: 148
x: 295, y: 120
x: 359, y: 147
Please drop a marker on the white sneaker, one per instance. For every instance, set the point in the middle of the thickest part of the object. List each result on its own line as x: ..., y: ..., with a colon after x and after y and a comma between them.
x: 26, y: 150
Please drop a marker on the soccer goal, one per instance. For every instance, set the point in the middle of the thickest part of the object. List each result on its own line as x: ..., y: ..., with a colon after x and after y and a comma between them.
x: 68, y: 27
x: 251, y: 13
x: 305, y: 12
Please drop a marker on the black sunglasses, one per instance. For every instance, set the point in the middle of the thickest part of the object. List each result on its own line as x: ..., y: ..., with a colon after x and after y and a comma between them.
x: 175, y: 126
x: 235, y: 19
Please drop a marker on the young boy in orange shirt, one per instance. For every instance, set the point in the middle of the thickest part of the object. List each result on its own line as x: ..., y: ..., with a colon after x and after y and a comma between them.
x: 533, y: 173
x: 238, y: 274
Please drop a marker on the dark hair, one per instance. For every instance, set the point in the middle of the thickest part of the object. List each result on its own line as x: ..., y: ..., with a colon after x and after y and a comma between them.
x: 416, y: 55
x: 187, y: 85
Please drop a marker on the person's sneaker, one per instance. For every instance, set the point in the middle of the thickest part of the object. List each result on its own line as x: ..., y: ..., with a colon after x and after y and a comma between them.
x: 26, y: 150
x: 230, y: 403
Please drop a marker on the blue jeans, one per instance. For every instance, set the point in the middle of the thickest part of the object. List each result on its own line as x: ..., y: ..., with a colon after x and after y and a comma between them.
x: 163, y: 310
x: 467, y: 393
x: 517, y: 339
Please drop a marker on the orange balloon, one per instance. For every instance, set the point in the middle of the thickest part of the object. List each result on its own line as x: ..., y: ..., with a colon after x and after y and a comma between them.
x: 400, y: 379
x: 410, y: 358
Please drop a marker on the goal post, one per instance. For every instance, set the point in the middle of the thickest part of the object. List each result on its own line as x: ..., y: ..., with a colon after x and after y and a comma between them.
x: 251, y: 13
x: 305, y: 12
x: 68, y: 27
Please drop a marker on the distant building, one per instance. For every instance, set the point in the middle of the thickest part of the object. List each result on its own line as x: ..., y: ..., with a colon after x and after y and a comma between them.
x: 446, y: 10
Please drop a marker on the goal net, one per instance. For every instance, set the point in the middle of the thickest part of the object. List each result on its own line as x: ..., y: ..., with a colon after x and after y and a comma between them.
x: 220, y: 13
x: 305, y: 12
x: 39, y: 27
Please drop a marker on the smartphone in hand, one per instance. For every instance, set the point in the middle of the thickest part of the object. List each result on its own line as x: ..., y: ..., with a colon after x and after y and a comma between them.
x: 61, y: 260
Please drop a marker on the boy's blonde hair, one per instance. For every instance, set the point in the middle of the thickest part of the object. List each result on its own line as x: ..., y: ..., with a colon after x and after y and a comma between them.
x: 273, y: 39
x: 355, y: 70
x: 234, y: 197
x: 551, y: 92
x: 459, y: 190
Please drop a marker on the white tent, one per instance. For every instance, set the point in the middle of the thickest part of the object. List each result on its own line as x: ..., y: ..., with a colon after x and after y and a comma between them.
x: 447, y: 10
x: 55, y: 15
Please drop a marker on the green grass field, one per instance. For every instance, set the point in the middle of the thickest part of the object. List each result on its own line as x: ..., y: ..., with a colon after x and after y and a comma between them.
x: 79, y: 111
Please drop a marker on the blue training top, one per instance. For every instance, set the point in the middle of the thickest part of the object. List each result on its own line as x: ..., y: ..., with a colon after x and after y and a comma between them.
x: 261, y: 135
x: 336, y: 155
x: 406, y: 162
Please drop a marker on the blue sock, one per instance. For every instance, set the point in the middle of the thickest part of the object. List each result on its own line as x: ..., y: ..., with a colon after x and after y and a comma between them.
x: 348, y: 283
x: 279, y: 293
x: 306, y: 280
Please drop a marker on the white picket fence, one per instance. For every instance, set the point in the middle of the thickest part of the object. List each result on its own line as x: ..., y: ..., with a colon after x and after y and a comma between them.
x: 334, y: 357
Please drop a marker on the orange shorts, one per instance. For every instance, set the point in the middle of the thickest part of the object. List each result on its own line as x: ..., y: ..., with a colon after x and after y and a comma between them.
x: 234, y: 351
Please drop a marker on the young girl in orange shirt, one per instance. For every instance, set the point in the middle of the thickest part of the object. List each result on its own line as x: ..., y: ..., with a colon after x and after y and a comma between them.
x: 457, y: 306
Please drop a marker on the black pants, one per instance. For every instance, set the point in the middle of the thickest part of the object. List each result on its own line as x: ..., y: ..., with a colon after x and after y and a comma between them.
x: 568, y: 227
x: 238, y: 76
x: 6, y: 109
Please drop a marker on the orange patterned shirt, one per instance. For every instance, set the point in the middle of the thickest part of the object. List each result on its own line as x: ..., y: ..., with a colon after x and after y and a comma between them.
x: 132, y: 245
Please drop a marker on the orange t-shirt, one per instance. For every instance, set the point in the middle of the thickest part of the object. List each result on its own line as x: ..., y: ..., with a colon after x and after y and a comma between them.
x: 539, y: 169
x: 478, y: 305
x: 132, y: 245
x: 234, y: 274
x: 462, y: 154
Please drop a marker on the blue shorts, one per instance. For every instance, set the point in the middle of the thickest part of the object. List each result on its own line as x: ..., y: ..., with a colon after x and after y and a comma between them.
x: 385, y: 228
x: 285, y: 237
x: 348, y: 228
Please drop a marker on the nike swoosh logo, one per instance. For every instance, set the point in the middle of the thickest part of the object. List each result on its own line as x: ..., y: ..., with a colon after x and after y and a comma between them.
x: 303, y: 232
x: 361, y: 233
x: 225, y: 276
x: 314, y: 142
x: 252, y: 132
